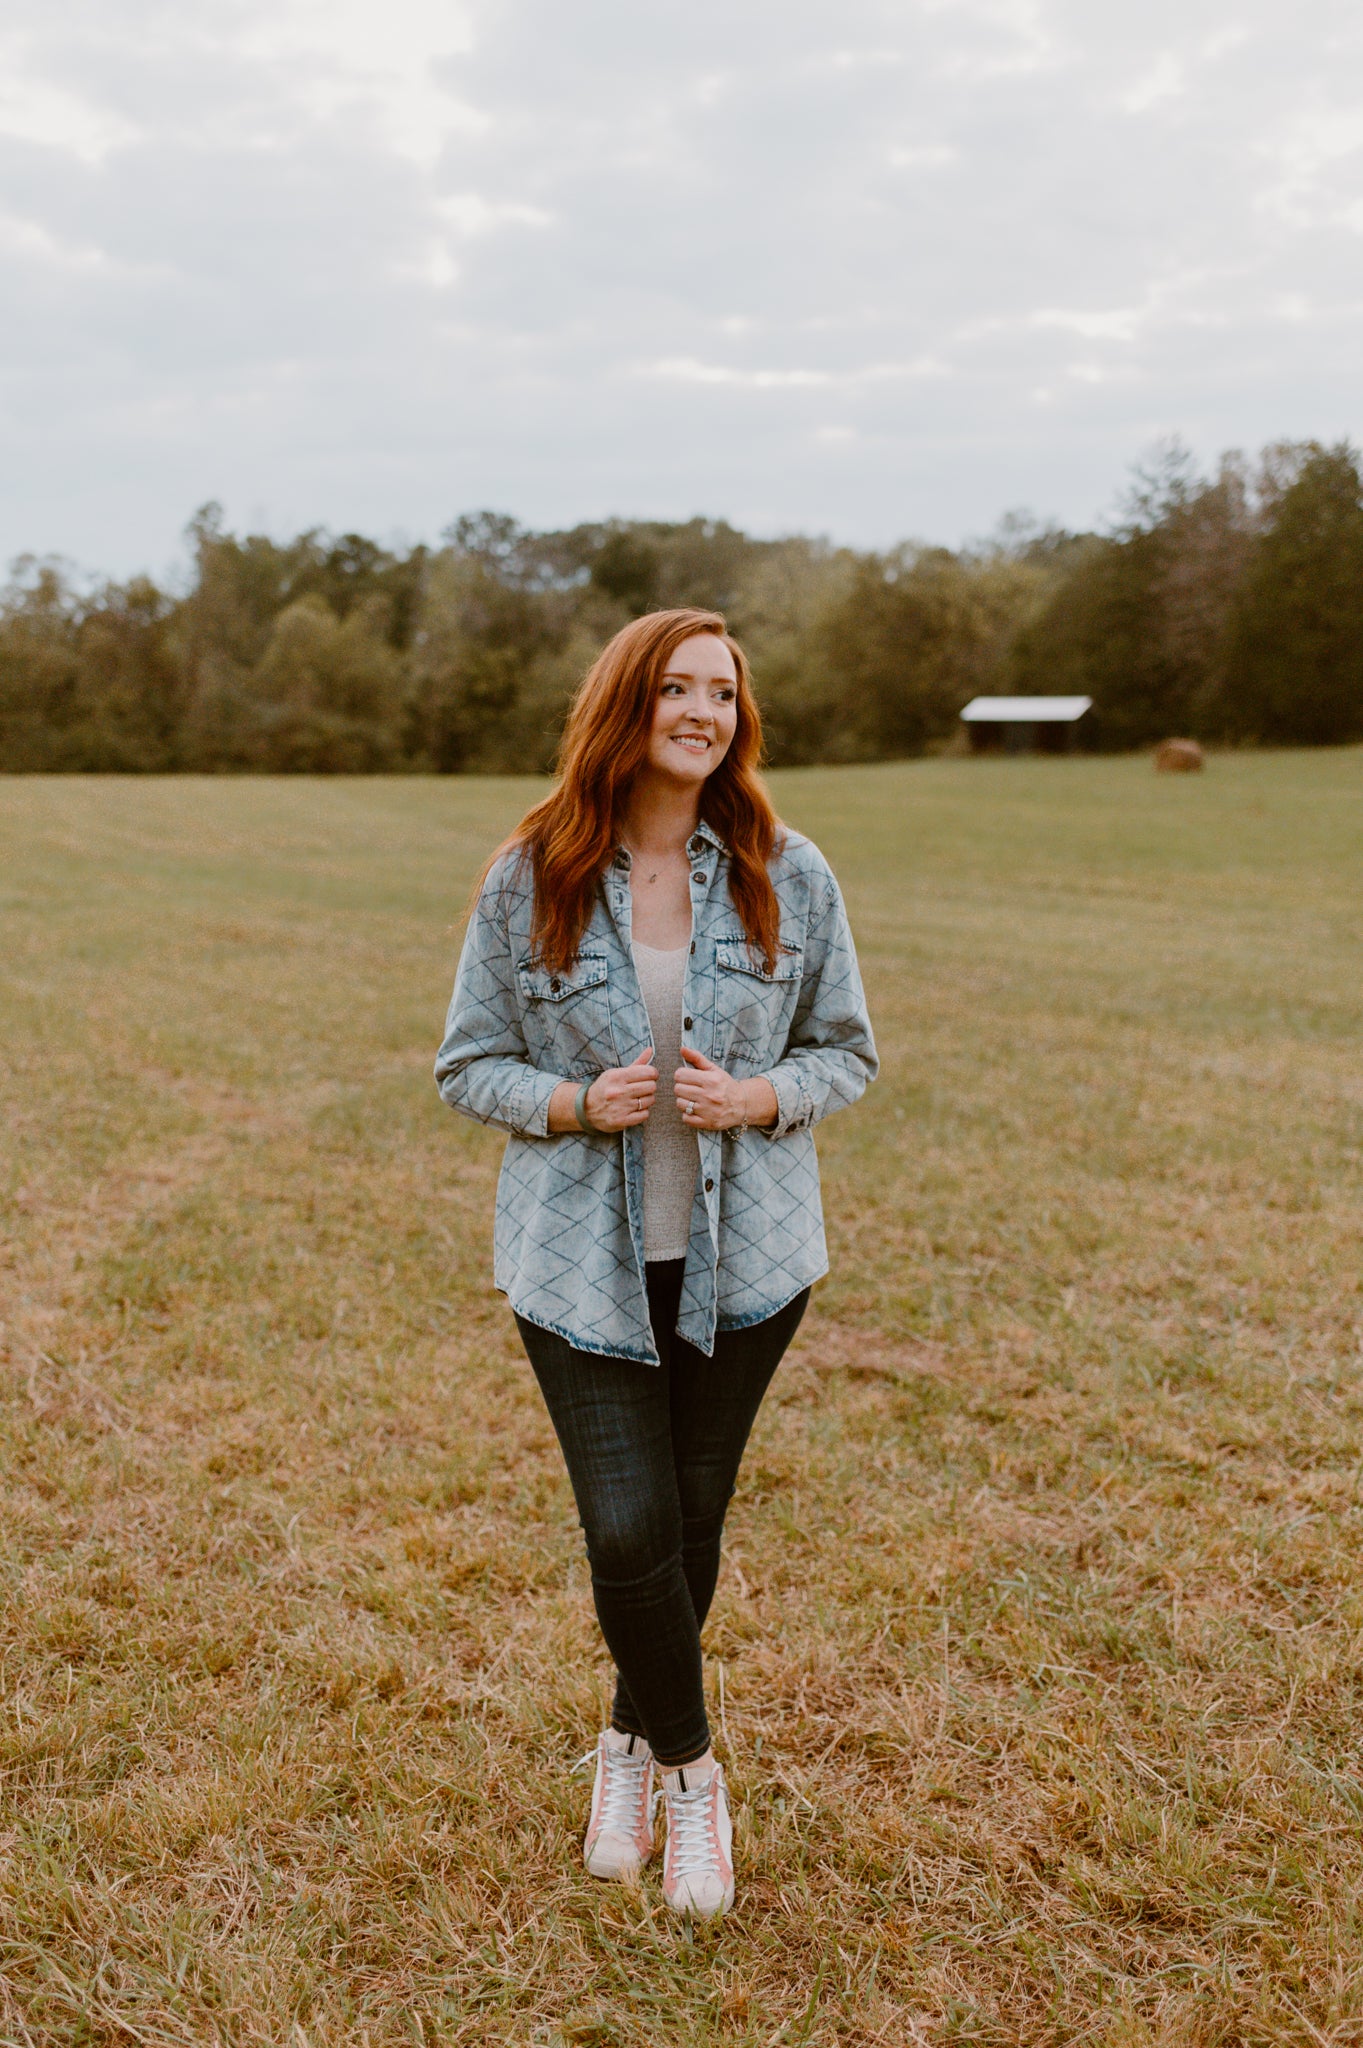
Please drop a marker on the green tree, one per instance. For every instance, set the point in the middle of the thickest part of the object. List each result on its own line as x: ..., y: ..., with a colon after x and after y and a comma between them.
x: 628, y: 569
x: 776, y: 610
x: 488, y: 691
x: 1099, y: 635
x: 131, y: 691
x: 39, y: 669
x: 326, y: 695
x: 1294, y: 665
x: 88, y: 681
x: 912, y: 638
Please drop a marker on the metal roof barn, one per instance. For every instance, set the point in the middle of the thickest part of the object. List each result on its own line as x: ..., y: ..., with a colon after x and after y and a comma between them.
x: 1023, y: 725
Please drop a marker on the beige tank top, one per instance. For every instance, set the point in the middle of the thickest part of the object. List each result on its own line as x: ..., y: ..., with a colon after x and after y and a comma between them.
x: 671, y: 1156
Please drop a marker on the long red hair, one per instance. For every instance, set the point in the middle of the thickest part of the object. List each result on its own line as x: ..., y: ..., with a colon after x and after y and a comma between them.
x: 570, y: 836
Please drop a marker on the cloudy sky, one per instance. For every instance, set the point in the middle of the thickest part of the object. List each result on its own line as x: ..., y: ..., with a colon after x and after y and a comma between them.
x: 865, y: 267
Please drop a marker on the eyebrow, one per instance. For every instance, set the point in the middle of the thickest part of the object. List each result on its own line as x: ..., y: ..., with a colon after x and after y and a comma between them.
x: 686, y: 675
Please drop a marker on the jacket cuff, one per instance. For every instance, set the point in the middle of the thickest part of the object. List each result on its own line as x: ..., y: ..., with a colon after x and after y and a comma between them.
x: 794, y: 1103
x: 528, y: 1110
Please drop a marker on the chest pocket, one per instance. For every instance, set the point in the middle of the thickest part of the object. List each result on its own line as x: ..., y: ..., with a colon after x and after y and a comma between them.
x: 755, y: 1007
x: 566, y: 1016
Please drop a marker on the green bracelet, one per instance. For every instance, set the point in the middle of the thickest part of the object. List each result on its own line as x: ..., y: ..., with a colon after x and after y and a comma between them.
x: 580, y: 1111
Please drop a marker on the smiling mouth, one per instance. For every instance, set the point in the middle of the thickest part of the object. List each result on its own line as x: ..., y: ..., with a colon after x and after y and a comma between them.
x: 694, y: 742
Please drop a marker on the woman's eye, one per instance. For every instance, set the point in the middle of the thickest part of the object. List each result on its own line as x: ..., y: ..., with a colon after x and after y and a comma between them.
x: 726, y: 696
x: 671, y: 690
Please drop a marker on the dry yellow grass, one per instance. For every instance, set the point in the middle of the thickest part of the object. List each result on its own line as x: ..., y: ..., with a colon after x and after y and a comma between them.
x: 1041, y: 1630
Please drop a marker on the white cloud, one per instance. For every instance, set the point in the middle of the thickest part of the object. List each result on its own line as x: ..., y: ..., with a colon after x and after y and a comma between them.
x: 31, y: 240
x: 1165, y: 80
x: 1319, y: 161
x: 467, y: 216
x: 873, y: 270
x: 1118, y: 324
x: 922, y: 156
x: 384, y: 55
x: 57, y: 117
x: 687, y: 370
x: 865, y: 60
x: 470, y: 213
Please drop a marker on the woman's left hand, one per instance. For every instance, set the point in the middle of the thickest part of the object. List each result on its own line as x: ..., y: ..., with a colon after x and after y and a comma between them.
x: 710, y: 1099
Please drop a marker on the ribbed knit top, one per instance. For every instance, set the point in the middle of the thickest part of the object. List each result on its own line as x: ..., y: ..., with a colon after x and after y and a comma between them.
x: 671, y: 1156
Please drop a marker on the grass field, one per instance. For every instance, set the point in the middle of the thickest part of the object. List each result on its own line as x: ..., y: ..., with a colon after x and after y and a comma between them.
x: 1041, y: 1628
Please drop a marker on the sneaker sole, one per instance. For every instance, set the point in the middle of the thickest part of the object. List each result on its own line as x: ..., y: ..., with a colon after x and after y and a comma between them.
x: 690, y: 1912
x: 611, y: 1871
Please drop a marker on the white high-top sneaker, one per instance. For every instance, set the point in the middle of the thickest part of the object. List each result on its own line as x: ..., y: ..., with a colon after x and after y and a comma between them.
x: 698, y: 1868
x: 620, y: 1831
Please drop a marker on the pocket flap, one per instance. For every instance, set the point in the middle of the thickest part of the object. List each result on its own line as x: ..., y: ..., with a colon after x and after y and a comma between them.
x: 538, y: 985
x: 740, y: 958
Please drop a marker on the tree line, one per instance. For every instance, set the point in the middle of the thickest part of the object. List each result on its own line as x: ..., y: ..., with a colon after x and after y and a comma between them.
x: 1225, y: 606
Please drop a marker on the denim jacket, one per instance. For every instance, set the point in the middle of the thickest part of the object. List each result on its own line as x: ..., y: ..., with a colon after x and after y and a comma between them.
x: 569, y: 1233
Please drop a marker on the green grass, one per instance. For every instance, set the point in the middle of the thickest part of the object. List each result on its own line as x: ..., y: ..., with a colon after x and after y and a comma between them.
x: 1041, y: 1627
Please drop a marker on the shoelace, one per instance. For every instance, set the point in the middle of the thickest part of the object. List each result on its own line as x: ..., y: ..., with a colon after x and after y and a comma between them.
x: 620, y: 1788
x: 689, y: 1833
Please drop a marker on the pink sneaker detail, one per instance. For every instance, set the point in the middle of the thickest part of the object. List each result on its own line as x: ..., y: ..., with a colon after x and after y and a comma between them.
x: 620, y: 1830
x: 698, y: 1869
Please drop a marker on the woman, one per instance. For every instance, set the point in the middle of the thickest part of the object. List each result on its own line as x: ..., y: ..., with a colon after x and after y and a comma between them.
x: 657, y: 997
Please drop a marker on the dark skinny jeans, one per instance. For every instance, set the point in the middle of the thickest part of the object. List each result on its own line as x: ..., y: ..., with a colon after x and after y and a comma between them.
x: 653, y: 1454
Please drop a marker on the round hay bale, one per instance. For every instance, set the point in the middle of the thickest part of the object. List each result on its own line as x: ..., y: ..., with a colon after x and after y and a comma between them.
x: 1178, y: 757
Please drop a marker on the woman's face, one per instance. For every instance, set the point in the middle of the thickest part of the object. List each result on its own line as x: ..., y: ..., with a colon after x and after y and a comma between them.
x: 696, y: 710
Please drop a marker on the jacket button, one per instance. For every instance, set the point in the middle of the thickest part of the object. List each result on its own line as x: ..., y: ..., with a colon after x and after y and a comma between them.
x: 687, y: 1023
x: 693, y: 945
x: 555, y: 986
x: 697, y: 878
x: 709, y: 1187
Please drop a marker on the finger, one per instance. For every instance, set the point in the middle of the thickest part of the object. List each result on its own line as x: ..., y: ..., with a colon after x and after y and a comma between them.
x: 698, y: 1059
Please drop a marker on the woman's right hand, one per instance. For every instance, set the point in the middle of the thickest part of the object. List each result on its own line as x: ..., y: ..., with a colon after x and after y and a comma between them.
x: 623, y: 1095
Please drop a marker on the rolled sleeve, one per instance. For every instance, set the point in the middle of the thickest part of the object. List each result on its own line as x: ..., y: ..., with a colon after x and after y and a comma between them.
x: 528, y: 1111
x: 830, y: 1056
x: 794, y: 1104
x: 483, y: 1068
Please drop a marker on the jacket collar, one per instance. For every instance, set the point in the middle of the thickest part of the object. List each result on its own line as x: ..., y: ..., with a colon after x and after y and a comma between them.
x: 703, y: 836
